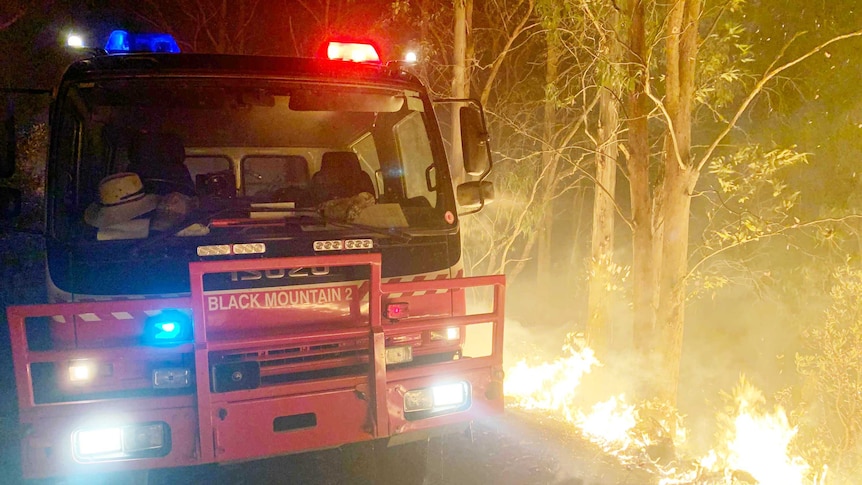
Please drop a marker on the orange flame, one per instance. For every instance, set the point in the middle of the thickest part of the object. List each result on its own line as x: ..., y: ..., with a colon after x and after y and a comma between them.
x: 755, y: 443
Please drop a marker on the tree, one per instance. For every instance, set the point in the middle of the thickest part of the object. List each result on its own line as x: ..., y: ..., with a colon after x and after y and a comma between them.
x: 661, y: 208
x: 602, y: 268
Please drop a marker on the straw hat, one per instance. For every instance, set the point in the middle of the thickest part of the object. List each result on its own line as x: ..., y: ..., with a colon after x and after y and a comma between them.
x: 121, y: 198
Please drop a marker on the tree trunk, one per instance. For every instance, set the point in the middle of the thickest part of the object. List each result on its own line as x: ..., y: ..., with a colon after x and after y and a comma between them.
x: 600, y: 334
x: 643, y: 258
x: 679, y: 181
x: 460, y: 80
x: 550, y: 160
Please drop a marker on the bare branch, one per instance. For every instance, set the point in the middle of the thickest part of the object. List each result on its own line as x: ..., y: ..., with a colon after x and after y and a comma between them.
x: 6, y: 23
x: 768, y: 76
x: 781, y: 231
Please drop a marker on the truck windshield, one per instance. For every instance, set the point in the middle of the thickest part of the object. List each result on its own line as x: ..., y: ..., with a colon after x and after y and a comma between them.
x: 135, y: 157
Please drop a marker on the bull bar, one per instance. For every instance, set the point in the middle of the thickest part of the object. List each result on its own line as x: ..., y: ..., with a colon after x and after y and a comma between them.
x: 213, y: 427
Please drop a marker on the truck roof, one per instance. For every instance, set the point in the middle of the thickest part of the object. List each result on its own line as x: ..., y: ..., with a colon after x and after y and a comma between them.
x: 143, y: 64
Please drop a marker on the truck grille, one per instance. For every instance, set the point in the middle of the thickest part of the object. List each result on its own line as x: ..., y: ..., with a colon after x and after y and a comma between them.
x: 300, y: 363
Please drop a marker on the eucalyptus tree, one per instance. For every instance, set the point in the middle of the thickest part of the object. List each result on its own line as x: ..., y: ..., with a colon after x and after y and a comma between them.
x: 680, y: 115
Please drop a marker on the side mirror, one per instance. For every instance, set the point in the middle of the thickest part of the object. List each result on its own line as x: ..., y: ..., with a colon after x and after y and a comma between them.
x: 10, y: 203
x: 475, y: 195
x: 7, y: 145
x: 474, y: 141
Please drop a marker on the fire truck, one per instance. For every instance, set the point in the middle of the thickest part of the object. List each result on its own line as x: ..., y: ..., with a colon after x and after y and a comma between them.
x: 250, y: 257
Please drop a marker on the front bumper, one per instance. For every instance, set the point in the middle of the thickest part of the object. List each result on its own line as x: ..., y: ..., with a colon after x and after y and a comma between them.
x: 205, y: 426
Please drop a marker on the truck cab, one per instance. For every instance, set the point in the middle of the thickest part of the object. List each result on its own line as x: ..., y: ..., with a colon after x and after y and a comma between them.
x: 249, y: 256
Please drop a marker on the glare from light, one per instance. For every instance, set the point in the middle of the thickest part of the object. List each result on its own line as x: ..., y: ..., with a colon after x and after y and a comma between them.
x: 410, y: 57
x: 100, y: 441
x: 80, y: 371
x: 75, y: 40
x: 354, y: 52
x: 169, y: 327
x: 453, y: 333
x: 447, y: 395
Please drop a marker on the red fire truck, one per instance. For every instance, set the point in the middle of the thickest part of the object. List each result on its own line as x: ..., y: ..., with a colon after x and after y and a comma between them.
x: 249, y: 257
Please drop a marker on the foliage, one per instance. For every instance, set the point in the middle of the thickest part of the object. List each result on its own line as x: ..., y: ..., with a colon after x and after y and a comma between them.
x: 724, y: 56
x: 21, y: 249
x: 831, y: 365
x: 751, y: 198
x: 30, y: 174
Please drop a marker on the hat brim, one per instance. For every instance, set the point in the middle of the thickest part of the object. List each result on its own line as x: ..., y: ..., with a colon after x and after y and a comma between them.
x: 99, y: 215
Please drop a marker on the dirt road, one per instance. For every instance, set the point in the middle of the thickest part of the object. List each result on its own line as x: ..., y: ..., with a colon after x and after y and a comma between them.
x: 514, y: 449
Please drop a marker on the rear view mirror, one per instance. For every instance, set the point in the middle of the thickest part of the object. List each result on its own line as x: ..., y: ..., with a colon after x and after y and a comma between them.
x: 475, y: 195
x: 474, y: 141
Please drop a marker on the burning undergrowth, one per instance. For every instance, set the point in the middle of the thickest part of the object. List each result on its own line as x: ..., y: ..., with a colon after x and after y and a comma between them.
x: 755, y: 443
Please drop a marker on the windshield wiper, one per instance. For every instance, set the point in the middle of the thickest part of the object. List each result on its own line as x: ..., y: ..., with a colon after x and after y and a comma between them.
x: 202, y: 215
x: 210, y: 214
x: 393, y: 232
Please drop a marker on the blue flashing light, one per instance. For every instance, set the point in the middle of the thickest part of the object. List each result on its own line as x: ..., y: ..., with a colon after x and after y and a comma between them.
x: 168, y: 327
x: 122, y: 41
x: 166, y: 330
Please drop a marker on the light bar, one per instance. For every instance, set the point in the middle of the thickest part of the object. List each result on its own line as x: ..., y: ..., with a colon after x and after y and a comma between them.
x: 339, y: 244
x: 352, y: 52
x: 121, y: 41
x: 249, y: 248
x: 228, y: 249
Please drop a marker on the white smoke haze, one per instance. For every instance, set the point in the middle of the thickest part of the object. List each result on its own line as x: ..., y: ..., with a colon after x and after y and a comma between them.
x: 715, y: 436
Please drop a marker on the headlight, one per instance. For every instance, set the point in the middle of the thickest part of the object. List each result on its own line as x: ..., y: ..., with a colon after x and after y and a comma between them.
x: 438, y: 399
x: 148, y: 440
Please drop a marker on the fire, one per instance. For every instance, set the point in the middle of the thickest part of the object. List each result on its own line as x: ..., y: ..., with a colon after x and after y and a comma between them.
x: 757, y: 442
x: 754, y: 448
x: 610, y: 424
x: 550, y: 386
x: 553, y: 387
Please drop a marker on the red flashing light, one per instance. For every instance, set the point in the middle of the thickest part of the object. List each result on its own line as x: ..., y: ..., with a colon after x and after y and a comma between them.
x: 396, y: 310
x: 352, y: 52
